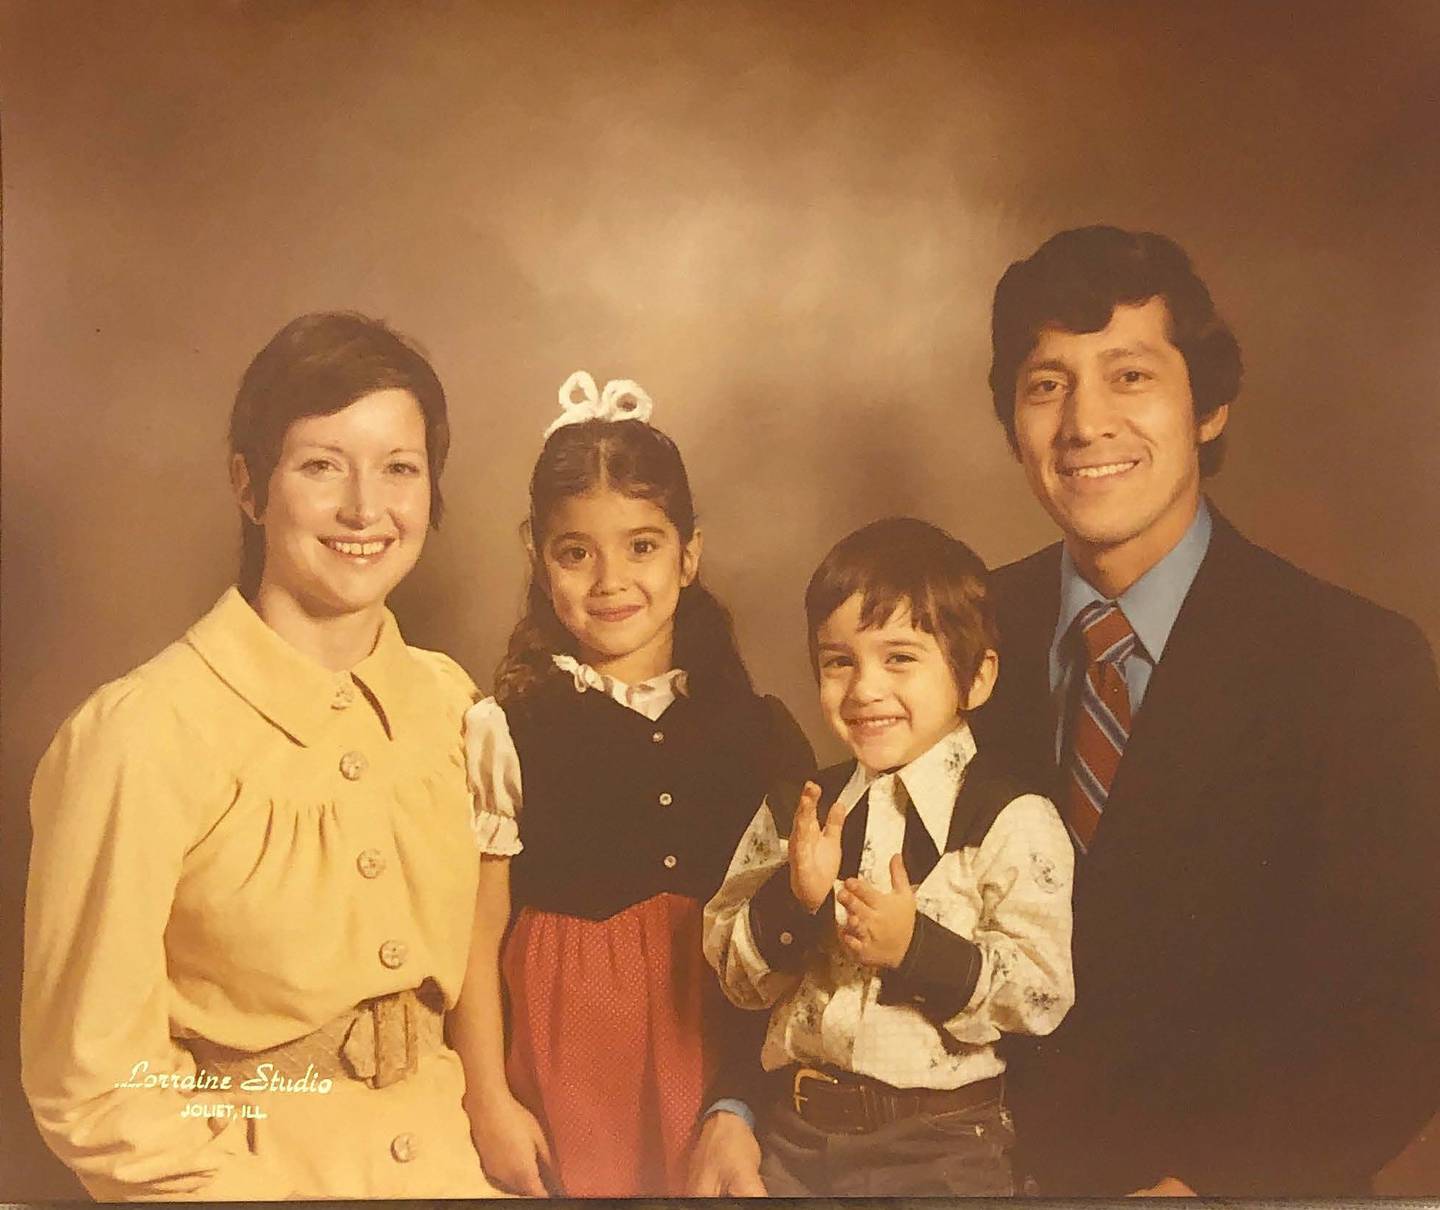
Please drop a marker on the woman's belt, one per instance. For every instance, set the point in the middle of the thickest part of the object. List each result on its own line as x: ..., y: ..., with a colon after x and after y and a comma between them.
x: 379, y: 1041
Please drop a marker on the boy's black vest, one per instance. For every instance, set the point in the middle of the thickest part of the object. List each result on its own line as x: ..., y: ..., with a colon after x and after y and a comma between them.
x: 986, y: 790
x: 617, y: 808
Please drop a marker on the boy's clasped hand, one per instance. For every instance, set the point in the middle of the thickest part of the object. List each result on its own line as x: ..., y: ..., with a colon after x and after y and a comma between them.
x: 878, y: 924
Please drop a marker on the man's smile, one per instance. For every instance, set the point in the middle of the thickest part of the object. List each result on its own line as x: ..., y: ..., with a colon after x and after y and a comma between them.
x: 1102, y: 470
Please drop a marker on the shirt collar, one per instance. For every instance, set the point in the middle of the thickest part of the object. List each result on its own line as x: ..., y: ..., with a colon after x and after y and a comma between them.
x: 388, y: 673
x: 649, y: 697
x: 1151, y: 604
x: 932, y: 781
x: 293, y: 691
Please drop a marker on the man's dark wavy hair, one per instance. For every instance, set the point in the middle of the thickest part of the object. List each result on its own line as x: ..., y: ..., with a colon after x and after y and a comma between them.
x: 1077, y: 278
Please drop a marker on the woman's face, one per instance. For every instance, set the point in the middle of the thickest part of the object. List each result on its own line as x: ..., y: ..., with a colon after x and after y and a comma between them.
x: 348, y: 506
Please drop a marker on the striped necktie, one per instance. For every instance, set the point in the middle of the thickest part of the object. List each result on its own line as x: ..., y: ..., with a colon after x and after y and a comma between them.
x: 1101, y: 722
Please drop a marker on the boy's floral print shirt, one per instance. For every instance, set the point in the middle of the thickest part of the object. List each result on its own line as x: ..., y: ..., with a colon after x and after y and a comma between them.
x: 1010, y: 896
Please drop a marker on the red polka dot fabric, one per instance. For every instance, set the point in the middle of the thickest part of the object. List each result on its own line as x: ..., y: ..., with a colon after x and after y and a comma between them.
x: 608, y: 1045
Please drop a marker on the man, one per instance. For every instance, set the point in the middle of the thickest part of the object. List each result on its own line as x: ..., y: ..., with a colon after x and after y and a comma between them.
x: 1245, y: 755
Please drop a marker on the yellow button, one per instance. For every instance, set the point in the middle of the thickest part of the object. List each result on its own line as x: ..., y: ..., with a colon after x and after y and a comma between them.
x: 404, y: 1147
x: 657, y: 737
x: 666, y: 799
x: 787, y: 937
x: 393, y: 954
x: 670, y: 861
x: 344, y: 697
x: 353, y: 765
x: 371, y: 863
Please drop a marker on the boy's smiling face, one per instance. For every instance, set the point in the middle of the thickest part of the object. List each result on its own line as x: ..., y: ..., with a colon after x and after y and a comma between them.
x: 887, y: 691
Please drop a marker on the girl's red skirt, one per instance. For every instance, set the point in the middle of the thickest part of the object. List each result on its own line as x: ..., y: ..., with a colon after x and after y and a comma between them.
x: 608, y: 1042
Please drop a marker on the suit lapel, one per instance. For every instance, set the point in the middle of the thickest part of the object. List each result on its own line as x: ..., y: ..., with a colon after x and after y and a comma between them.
x: 1196, y: 715
x: 1018, y: 724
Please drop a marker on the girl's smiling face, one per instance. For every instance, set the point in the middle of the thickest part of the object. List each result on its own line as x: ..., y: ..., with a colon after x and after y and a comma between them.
x: 614, y: 566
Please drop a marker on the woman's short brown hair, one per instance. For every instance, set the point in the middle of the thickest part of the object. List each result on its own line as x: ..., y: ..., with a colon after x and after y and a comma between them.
x: 315, y: 365
x: 904, y: 561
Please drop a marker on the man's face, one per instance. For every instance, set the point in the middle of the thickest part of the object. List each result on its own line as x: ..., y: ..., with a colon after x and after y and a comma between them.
x: 1105, y: 428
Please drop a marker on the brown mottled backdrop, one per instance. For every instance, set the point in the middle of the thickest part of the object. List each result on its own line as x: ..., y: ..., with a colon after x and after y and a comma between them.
x: 784, y: 219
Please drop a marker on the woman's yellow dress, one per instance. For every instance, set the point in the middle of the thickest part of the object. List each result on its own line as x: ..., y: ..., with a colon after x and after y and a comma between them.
x: 234, y: 844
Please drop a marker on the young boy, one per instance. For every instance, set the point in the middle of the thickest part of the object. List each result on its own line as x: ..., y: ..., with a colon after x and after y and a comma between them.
x: 911, y: 909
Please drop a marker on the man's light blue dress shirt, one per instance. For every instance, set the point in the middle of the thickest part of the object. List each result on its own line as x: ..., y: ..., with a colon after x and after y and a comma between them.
x: 1151, y: 605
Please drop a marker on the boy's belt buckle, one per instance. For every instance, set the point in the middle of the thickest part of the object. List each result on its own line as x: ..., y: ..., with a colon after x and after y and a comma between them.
x: 805, y: 1073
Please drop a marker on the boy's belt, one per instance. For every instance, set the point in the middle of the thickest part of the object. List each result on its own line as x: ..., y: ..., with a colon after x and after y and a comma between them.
x: 845, y: 1103
x: 379, y: 1041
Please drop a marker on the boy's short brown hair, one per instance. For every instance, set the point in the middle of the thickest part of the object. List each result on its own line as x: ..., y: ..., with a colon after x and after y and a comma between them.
x: 904, y: 561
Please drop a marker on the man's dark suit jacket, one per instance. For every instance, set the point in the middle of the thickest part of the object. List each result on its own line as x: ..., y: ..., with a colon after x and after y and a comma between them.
x: 1256, y: 922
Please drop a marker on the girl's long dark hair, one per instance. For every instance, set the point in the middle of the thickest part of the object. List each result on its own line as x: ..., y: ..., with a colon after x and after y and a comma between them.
x: 631, y: 457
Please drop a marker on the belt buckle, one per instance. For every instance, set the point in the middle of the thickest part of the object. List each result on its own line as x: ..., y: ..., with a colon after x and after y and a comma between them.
x: 396, y: 1043
x: 807, y: 1073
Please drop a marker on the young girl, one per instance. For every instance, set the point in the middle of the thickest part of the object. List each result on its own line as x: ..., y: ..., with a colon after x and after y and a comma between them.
x: 614, y: 771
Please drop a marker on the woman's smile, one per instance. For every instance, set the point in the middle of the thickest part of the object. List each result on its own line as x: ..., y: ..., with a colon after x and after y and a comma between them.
x: 360, y: 550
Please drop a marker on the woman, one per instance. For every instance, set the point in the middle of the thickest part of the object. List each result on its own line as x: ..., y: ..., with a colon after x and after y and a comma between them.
x: 252, y: 874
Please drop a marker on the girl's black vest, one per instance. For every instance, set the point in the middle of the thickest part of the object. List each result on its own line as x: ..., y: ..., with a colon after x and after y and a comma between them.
x: 616, y: 808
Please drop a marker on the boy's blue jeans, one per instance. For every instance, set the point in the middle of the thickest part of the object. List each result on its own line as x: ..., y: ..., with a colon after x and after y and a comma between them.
x: 964, y: 1153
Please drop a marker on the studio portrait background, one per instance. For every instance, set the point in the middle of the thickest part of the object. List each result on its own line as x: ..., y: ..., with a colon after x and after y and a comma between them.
x: 784, y: 219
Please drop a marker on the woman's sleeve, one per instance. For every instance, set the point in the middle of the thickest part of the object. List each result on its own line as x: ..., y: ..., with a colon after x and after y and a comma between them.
x: 112, y: 810
x: 1025, y: 870
x: 493, y: 767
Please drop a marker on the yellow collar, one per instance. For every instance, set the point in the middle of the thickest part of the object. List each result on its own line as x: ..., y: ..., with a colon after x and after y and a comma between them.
x: 285, y: 685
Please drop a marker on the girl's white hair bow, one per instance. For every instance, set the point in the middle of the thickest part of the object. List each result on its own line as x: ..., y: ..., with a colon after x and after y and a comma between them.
x: 580, y: 401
